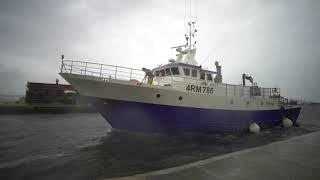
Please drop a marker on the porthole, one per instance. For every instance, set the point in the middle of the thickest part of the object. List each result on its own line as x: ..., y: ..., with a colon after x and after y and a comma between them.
x: 180, y: 98
x: 158, y: 95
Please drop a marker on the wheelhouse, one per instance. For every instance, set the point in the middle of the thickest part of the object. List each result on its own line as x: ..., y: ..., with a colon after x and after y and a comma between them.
x: 182, y: 70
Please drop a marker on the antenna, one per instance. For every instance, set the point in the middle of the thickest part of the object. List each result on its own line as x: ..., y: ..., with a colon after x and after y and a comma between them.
x: 186, y: 53
x: 196, y: 10
x: 190, y: 34
x: 189, y: 22
x: 193, y: 11
x: 192, y: 14
x: 190, y: 10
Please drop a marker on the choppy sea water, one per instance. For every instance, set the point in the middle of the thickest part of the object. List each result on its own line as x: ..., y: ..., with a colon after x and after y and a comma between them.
x: 83, y: 146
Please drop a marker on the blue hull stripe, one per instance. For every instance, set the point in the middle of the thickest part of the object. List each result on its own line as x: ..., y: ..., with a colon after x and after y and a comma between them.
x: 143, y: 117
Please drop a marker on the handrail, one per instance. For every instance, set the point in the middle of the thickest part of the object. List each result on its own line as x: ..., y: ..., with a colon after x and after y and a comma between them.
x: 101, y: 70
x: 68, y: 60
x: 224, y: 89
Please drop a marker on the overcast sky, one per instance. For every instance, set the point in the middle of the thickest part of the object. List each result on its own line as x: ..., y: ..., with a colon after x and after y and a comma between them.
x: 276, y: 41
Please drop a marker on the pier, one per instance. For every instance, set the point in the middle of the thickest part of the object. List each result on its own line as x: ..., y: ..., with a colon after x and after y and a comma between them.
x: 296, y: 158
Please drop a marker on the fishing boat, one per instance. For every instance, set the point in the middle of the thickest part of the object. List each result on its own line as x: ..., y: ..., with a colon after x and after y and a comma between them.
x: 180, y: 96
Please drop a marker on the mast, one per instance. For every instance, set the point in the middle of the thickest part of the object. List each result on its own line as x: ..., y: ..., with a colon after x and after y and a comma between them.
x: 190, y: 34
x: 186, y: 53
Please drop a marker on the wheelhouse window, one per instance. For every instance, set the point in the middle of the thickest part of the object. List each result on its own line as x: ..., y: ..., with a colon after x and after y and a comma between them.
x: 194, y: 73
x: 202, y: 76
x: 209, y: 77
x: 175, y: 71
x: 162, y: 72
x: 186, y: 71
x: 168, y: 72
x: 156, y: 73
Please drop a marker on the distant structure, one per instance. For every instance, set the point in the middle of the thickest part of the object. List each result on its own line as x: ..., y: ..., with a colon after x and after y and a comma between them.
x: 50, y: 93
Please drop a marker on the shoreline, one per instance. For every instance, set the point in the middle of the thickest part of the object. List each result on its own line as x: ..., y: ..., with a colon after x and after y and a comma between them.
x: 44, y: 108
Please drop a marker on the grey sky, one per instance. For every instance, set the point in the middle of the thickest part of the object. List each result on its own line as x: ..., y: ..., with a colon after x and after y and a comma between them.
x: 278, y: 42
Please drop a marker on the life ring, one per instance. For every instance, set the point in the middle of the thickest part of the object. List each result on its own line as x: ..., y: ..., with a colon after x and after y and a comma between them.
x: 134, y: 80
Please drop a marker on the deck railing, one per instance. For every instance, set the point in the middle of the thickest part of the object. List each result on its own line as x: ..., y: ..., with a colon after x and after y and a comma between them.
x: 220, y: 88
x: 247, y: 91
x: 101, y: 70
